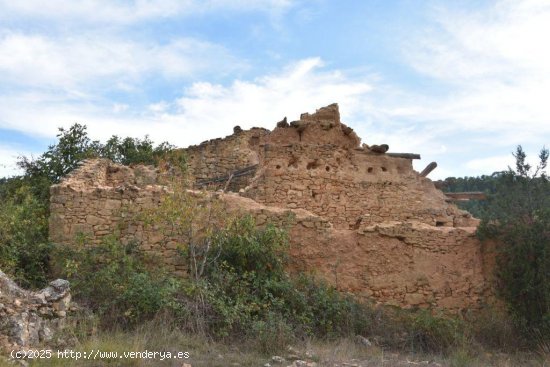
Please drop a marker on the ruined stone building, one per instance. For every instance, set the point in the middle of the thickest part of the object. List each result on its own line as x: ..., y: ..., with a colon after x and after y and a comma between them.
x: 364, y: 219
x: 30, y: 319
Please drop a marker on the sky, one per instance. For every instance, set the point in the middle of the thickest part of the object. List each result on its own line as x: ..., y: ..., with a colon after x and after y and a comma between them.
x: 460, y: 82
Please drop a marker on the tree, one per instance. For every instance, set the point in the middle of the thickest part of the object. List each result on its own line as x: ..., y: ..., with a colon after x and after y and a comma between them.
x: 193, y: 220
x: 24, y: 247
x: 129, y: 151
x: 73, y: 146
x: 518, y: 217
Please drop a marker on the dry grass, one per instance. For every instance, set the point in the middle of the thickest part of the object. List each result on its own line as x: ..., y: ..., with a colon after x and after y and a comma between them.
x: 203, y: 352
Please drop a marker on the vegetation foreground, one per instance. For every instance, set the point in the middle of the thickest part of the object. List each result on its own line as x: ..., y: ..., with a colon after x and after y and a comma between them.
x: 239, y: 306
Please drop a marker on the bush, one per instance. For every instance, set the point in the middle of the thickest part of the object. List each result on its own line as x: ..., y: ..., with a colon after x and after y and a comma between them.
x: 24, y: 247
x: 250, y: 292
x: 518, y: 217
x: 493, y: 328
x: 113, y: 280
x: 429, y: 333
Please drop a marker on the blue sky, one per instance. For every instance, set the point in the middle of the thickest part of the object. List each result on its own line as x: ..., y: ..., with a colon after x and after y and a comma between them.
x: 461, y: 83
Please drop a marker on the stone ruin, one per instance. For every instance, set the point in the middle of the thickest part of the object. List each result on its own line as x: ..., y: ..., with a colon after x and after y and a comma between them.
x: 31, y: 319
x: 364, y: 219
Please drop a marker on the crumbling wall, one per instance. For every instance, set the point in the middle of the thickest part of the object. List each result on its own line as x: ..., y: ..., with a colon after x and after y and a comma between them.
x: 319, y: 128
x: 30, y: 319
x: 351, y: 187
x: 213, y: 162
x: 363, y: 220
x: 407, y: 264
x: 114, y: 205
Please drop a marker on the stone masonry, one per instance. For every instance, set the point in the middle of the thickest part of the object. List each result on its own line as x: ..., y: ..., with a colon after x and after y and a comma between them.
x: 31, y: 319
x: 363, y: 220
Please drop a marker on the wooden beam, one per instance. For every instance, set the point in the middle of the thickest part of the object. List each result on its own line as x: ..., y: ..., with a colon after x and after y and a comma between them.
x: 404, y: 155
x: 238, y: 173
x: 465, y: 196
x: 429, y: 168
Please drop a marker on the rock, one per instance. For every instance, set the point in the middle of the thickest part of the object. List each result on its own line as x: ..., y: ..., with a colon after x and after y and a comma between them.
x: 31, y: 318
x: 292, y: 350
x: 299, y: 125
x: 237, y: 129
x: 414, y: 299
x: 347, y: 130
x: 327, y: 125
x: 364, y: 341
x: 301, y: 363
x: 278, y: 359
x: 379, y: 148
x: 283, y: 123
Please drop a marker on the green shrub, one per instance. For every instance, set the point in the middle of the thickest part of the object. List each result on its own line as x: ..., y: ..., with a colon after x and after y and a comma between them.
x: 272, y: 334
x: 322, y: 310
x: 114, y: 280
x: 24, y: 247
x: 493, y: 328
x: 249, y: 290
x: 518, y: 217
x: 433, y: 333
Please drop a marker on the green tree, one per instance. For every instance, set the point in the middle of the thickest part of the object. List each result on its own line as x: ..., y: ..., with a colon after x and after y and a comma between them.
x: 25, y: 199
x: 518, y: 217
x: 72, y: 147
x: 24, y: 247
x: 129, y: 151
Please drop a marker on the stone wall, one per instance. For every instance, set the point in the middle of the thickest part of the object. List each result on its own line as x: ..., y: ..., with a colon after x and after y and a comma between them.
x: 30, y: 319
x: 212, y: 162
x: 407, y: 264
x: 363, y: 220
x: 351, y: 188
x: 113, y: 205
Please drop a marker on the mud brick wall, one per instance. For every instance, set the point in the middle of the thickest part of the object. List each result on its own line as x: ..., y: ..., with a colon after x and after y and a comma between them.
x: 351, y: 187
x: 220, y: 158
x: 364, y: 221
x: 406, y: 264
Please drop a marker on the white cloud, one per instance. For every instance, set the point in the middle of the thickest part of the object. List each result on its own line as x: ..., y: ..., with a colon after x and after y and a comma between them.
x: 125, y: 12
x: 120, y: 107
x: 488, y: 72
x: 205, y: 111
x: 8, y: 158
x: 487, y: 165
x: 494, y: 64
x: 81, y: 62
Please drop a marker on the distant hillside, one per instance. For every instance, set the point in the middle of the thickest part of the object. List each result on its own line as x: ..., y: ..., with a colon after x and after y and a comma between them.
x: 484, y: 183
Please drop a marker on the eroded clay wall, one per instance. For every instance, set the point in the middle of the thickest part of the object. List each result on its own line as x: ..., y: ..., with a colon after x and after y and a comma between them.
x: 362, y: 219
x: 351, y: 187
x: 213, y: 161
x: 406, y: 263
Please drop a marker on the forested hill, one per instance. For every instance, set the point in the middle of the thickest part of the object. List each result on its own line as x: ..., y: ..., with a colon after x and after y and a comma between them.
x: 484, y: 183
